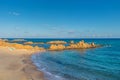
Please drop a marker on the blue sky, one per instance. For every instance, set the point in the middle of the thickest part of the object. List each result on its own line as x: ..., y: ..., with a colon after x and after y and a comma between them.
x: 60, y: 18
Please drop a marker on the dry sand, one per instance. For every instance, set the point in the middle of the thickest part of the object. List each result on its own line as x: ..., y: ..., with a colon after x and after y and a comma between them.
x: 16, y: 65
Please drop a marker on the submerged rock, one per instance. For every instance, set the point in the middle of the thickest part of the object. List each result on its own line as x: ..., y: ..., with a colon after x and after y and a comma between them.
x: 28, y: 43
x: 39, y: 43
x: 71, y: 42
x: 18, y: 40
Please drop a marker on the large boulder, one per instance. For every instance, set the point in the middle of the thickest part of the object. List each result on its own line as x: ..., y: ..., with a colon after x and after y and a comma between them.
x: 57, y: 47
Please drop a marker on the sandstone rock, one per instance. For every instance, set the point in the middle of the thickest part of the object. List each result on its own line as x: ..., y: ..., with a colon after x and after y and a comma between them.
x: 56, y: 42
x: 20, y: 46
x: 80, y: 45
x: 57, y: 47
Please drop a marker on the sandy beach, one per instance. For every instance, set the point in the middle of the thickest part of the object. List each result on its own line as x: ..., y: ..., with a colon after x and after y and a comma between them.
x: 16, y: 65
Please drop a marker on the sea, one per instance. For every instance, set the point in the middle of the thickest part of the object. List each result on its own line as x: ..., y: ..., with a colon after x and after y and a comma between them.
x: 101, y: 63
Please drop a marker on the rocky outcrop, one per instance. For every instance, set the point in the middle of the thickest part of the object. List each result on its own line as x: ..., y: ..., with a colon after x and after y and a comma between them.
x: 6, y: 40
x: 57, y: 47
x: 81, y: 45
x: 72, y: 45
x: 20, y: 46
x: 56, y: 42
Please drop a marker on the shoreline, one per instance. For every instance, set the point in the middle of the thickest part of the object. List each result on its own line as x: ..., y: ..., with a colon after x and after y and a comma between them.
x: 17, y: 65
x: 19, y: 60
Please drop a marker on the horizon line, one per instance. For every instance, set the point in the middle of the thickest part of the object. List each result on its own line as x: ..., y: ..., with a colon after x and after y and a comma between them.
x: 60, y: 38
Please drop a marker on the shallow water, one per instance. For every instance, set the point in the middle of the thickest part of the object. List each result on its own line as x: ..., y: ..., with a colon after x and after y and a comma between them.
x: 86, y: 64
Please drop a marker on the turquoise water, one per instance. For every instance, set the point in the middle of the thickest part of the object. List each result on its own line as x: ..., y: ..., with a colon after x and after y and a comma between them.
x: 82, y: 64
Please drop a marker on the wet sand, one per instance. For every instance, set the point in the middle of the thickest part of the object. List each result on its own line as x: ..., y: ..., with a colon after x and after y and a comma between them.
x: 16, y: 65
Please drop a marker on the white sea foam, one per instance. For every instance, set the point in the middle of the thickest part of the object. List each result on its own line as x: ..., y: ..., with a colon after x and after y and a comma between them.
x: 108, y: 46
x: 48, y: 75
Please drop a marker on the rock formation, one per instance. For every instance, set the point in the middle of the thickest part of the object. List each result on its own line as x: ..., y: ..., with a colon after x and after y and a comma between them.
x: 57, y: 47
x: 81, y: 45
x: 56, y: 42
x: 20, y: 46
x: 72, y: 45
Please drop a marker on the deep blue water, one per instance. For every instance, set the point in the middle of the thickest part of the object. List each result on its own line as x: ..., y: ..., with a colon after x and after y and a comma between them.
x: 82, y: 64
